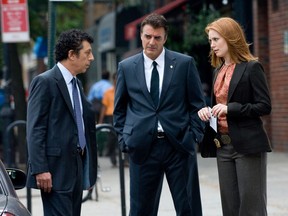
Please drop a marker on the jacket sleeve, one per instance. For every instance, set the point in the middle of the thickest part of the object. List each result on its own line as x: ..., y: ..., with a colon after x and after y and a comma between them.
x: 255, y: 102
x: 120, y: 107
x: 196, y: 101
x: 37, y: 117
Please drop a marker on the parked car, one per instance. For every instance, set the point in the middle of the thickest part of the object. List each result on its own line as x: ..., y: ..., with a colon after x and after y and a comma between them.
x: 10, y: 180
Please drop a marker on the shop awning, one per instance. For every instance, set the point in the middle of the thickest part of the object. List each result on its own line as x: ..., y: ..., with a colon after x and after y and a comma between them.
x: 131, y: 28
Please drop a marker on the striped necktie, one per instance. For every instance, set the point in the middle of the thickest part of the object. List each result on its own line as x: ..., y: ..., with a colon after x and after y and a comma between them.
x: 78, y: 115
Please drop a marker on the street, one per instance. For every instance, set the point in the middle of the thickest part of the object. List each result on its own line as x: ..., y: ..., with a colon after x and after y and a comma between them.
x: 109, y: 203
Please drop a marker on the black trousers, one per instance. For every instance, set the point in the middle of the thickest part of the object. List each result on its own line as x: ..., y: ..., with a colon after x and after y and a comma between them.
x: 65, y: 203
x: 243, y: 182
x: 182, y: 176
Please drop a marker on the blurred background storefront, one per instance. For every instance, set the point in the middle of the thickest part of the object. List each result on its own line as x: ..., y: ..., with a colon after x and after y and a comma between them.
x: 115, y: 25
x: 265, y: 23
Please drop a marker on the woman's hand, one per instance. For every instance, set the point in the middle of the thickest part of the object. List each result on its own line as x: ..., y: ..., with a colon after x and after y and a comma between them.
x: 204, y: 114
x: 219, y: 110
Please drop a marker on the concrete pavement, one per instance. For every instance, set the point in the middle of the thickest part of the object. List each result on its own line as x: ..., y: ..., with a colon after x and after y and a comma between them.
x: 109, y: 203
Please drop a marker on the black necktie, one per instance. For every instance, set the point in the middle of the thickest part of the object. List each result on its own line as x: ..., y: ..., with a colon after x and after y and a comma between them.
x: 78, y: 115
x: 154, y: 88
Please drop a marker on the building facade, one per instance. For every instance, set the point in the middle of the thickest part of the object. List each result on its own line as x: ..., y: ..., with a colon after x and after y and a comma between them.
x: 266, y: 26
x: 271, y: 45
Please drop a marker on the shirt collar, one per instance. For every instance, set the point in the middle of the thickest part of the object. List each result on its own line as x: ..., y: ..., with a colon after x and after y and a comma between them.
x: 159, y: 59
x: 65, y: 73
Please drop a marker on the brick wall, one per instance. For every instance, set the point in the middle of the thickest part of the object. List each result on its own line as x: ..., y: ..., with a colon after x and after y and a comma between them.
x: 261, y: 40
x: 271, y: 20
x: 261, y: 45
x: 278, y: 23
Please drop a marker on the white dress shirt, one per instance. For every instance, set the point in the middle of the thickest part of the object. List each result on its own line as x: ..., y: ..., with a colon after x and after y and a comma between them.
x: 68, y: 80
x: 148, y: 67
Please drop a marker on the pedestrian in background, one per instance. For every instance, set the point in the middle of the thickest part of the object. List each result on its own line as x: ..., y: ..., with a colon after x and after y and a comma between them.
x: 96, y: 93
x: 158, y: 94
x: 61, y: 133
x: 240, y: 98
x: 106, y: 116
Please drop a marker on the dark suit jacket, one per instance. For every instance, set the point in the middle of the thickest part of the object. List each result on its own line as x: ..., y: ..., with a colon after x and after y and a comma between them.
x: 52, y: 133
x: 135, y: 115
x: 248, y: 100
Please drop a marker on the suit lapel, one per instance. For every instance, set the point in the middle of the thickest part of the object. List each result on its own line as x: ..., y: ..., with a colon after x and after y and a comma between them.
x: 237, y: 74
x: 140, y: 75
x: 168, y: 73
x: 63, y: 88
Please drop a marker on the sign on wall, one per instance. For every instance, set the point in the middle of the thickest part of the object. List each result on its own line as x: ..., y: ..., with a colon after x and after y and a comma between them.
x: 14, y: 21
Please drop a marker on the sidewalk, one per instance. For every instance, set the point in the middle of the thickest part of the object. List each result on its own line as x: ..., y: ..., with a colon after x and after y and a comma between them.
x: 109, y: 203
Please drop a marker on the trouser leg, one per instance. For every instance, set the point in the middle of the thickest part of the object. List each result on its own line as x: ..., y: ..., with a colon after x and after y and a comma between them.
x: 242, y: 180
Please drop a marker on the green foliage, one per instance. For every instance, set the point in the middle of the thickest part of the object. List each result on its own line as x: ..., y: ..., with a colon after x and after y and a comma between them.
x: 38, y: 11
x: 69, y: 15
x: 195, y: 35
x: 174, y: 40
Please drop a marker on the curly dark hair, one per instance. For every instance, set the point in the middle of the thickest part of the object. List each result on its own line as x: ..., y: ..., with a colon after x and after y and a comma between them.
x: 70, y: 40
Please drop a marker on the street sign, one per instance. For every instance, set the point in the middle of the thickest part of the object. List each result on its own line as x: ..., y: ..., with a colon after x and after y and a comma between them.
x: 14, y: 21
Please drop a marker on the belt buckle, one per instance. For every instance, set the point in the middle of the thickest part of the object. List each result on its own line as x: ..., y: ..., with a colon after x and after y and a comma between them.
x: 225, y: 138
x: 160, y: 135
x: 217, y: 143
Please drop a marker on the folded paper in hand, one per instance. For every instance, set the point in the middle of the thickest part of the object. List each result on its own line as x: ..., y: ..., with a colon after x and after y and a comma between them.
x: 213, y: 121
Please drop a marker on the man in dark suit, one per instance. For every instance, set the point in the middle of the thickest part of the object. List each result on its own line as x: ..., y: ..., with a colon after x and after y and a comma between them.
x: 159, y: 133
x: 61, y: 133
